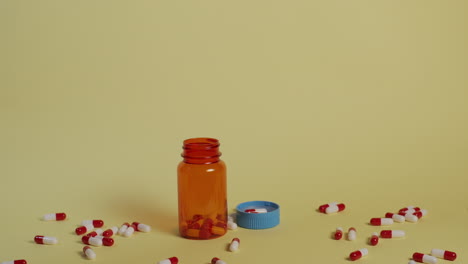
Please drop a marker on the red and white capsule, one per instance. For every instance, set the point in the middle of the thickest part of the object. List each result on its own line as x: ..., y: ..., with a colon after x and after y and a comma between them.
x: 381, y: 221
x: 352, y: 234
x: 89, y: 252
x: 423, y: 258
x: 396, y: 217
x: 45, y: 240
x: 392, y: 233
x: 323, y: 207
x: 443, y: 254
x: 256, y: 211
x: 93, y: 241
x: 122, y: 228
x: 96, y: 223
x: 54, y: 217
x: 141, y: 227
x: 338, y: 233
x: 84, y: 229
x: 18, y: 261
x: 374, y: 239
x: 335, y: 208
x: 358, y: 254
x: 217, y: 261
x: 173, y: 260
x: 106, y: 241
x: 110, y: 232
x: 234, y: 246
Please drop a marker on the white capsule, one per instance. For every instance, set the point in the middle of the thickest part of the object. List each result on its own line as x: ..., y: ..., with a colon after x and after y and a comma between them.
x: 231, y: 225
x: 412, y: 262
x: 398, y: 218
x: 334, y: 208
x: 352, y: 234
x: 89, y: 252
x: 411, y: 218
x: 423, y: 212
x: 123, y: 228
x: 234, y: 246
x: 129, y: 232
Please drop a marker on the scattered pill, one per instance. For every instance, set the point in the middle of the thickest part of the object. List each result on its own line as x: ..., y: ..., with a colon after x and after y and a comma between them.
x: 444, y: 254
x: 323, y: 207
x: 234, y: 246
x: 352, y: 234
x: 129, y: 231
x: 95, y: 223
x: 410, y: 217
x: 256, y: 211
x: 19, y: 261
x: 396, y: 217
x: 89, y: 252
x: 93, y: 241
x: 358, y: 254
x: 381, y: 221
x: 412, y: 262
x: 231, y: 225
x: 392, y: 233
x: 173, y: 260
x: 217, y: 261
x: 141, y: 227
x: 54, y: 217
x: 335, y: 208
x: 122, y: 228
x: 419, y: 257
x: 338, y: 233
x: 110, y: 232
x: 84, y: 229
x: 45, y: 240
x: 106, y: 241
x: 374, y: 240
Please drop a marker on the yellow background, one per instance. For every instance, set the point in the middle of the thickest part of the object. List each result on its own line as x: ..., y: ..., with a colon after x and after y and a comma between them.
x: 362, y: 102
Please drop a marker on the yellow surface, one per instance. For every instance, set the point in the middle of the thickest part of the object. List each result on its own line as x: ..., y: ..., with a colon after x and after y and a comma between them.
x: 363, y: 102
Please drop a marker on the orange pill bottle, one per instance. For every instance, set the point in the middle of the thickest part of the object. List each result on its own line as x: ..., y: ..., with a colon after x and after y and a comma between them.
x: 201, y: 180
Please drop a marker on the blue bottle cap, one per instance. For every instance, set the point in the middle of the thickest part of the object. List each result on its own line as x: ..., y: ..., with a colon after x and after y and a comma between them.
x: 258, y: 220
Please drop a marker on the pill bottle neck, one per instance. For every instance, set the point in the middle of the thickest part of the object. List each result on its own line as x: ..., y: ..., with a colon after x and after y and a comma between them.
x: 201, y: 151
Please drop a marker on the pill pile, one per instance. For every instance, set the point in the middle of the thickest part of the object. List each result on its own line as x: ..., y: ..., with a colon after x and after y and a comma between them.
x: 92, y: 233
x: 204, y: 227
x: 94, y: 236
x: 408, y: 214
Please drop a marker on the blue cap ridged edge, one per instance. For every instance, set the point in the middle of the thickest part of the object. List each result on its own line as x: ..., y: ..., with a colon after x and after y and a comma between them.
x: 258, y: 221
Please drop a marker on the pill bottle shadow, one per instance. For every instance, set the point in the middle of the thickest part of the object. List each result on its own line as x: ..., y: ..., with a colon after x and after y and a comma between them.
x: 82, y: 255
